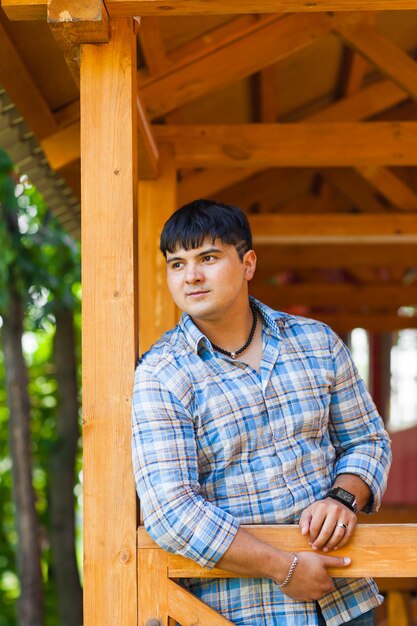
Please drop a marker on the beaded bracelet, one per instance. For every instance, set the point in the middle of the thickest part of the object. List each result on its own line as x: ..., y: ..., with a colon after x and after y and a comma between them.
x: 290, y: 572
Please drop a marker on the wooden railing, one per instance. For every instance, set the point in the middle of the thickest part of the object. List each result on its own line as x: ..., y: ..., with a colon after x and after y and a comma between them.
x: 382, y: 551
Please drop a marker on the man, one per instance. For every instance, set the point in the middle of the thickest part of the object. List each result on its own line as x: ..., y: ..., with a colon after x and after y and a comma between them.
x: 244, y: 415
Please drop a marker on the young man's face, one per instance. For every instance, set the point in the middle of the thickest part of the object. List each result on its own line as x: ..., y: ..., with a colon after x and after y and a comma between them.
x: 210, y: 281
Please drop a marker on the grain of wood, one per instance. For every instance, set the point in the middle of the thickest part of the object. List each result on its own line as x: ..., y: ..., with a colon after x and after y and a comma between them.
x: 108, y: 148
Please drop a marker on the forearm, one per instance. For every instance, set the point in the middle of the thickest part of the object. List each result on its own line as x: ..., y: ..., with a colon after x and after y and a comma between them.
x: 354, y: 484
x: 249, y: 556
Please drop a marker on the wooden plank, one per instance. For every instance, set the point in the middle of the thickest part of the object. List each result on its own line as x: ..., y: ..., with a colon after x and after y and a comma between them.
x: 353, y: 228
x: 368, y: 102
x: 62, y: 147
x: 152, y: 587
x: 157, y: 201
x: 19, y: 84
x: 391, y: 187
x: 148, y: 164
x: 208, y: 183
x: 268, y: 40
x: 352, y: 186
x: 277, y: 145
x: 375, y: 550
x: 188, y: 610
x: 398, y: 609
x: 36, y: 9
x: 344, y: 323
x: 340, y: 295
x: 152, y: 45
x: 75, y: 21
x: 380, y: 51
x: 108, y: 84
x: 219, y: 7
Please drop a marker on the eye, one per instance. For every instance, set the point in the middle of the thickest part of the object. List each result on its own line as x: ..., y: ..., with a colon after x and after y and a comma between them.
x: 176, y: 265
x: 207, y: 258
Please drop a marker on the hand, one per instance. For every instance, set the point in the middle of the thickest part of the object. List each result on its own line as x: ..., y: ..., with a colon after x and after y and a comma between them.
x: 311, y: 580
x: 323, y: 522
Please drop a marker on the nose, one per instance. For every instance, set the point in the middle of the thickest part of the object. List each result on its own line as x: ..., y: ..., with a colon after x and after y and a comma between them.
x: 193, y: 274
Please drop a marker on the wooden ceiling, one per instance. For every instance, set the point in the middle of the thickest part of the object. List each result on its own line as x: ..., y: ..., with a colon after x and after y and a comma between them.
x: 307, y: 120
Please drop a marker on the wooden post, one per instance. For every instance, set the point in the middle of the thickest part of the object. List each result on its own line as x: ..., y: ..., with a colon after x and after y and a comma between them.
x: 157, y: 201
x: 109, y: 183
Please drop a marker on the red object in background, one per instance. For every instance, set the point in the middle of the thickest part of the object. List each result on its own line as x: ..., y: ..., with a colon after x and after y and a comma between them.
x: 402, y: 481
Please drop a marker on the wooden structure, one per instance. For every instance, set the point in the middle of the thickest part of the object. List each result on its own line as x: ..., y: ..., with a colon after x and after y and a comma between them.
x: 308, y: 120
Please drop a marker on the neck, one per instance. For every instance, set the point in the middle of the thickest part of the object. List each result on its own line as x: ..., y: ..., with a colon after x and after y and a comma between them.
x: 231, y: 331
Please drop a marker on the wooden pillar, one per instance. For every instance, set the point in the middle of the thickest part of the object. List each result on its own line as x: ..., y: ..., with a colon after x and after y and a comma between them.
x: 109, y: 183
x: 157, y: 201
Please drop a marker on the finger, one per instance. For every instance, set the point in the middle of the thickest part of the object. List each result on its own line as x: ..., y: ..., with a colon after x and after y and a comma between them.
x: 336, y: 561
x: 339, y: 538
x: 348, y: 534
x: 304, y: 522
x: 329, y: 529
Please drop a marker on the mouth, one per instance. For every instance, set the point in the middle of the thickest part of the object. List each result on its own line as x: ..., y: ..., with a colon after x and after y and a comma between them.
x: 196, y: 293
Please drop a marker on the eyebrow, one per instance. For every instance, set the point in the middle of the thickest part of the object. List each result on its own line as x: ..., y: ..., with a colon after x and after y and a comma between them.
x: 200, y: 254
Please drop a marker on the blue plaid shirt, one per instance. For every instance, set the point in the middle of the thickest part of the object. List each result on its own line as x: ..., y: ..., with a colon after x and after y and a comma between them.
x: 217, y: 444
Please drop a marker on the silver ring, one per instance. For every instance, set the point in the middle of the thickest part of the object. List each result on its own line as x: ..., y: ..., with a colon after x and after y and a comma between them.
x: 342, y: 525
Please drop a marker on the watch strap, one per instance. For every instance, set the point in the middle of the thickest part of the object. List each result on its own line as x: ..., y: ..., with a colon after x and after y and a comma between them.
x: 343, y: 496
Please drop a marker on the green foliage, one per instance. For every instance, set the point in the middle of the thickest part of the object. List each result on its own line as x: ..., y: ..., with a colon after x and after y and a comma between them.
x: 42, y: 262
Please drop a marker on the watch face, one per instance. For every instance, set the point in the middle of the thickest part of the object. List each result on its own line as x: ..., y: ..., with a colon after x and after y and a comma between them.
x: 345, y: 495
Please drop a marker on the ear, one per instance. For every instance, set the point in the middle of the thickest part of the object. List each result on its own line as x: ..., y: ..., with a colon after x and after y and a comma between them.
x: 249, y: 262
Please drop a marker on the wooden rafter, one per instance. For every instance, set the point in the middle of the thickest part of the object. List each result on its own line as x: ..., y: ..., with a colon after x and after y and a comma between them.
x: 152, y: 45
x: 73, y: 22
x: 310, y: 145
x: 19, y: 83
x: 351, y: 185
x: 274, y: 259
x: 269, y: 41
x: 392, y: 187
x: 380, y: 51
x: 36, y: 9
x: 310, y: 228
x: 335, y: 295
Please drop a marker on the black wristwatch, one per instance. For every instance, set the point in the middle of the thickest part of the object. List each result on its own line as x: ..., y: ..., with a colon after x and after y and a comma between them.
x: 343, y: 496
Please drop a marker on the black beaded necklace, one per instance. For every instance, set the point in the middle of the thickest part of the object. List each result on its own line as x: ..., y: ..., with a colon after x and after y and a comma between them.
x: 233, y: 355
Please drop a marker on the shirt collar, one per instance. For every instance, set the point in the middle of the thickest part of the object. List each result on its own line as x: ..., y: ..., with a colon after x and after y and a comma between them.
x: 274, y: 320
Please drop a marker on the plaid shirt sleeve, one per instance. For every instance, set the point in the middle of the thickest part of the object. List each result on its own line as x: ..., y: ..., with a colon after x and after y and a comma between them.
x: 356, y: 429
x: 166, y: 475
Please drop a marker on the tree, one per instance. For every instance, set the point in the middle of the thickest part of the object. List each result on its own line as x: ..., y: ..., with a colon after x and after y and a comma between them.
x: 42, y: 261
x: 12, y: 309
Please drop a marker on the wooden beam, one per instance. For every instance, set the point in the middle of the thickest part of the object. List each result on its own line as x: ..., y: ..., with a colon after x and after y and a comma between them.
x: 337, y: 295
x: 208, y: 183
x: 353, y: 186
x: 36, y: 9
x: 380, y: 51
x: 396, y: 542
x: 157, y: 201
x: 148, y: 154
x: 109, y: 157
x: 276, y: 145
x: 62, y: 147
x: 219, y: 7
x: 152, y: 45
x: 269, y: 41
x: 344, y: 323
x: 368, y: 102
x: 272, y: 258
x: 74, y: 22
x: 19, y: 84
x: 391, y: 187
x: 319, y: 229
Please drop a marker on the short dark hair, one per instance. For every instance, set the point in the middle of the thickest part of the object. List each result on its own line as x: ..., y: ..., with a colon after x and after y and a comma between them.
x: 192, y: 223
